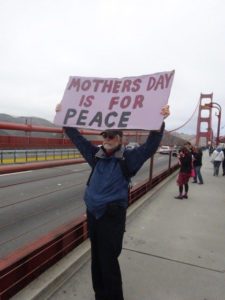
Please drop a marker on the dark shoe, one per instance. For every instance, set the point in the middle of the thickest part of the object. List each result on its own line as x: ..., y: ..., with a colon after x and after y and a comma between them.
x: 178, y: 197
x: 194, y: 181
x: 185, y: 196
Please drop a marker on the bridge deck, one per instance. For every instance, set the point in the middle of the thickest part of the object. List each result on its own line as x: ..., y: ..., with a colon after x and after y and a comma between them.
x: 173, y: 249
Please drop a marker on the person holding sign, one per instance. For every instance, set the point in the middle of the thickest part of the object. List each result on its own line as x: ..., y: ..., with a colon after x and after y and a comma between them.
x: 106, y: 199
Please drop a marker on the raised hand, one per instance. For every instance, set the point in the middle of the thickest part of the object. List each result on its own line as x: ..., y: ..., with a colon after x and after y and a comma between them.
x: 58, y: 107
x: 165, y: 111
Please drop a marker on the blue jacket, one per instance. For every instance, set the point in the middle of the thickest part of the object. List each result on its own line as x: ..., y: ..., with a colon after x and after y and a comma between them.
x: 107, y: 183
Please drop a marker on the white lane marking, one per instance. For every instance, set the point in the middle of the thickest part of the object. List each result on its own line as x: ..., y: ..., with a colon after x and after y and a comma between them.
x: 77, y: 170
x: 16, y: 173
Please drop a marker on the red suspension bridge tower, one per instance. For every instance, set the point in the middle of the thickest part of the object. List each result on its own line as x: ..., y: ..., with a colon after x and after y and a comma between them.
x: 205, y: 119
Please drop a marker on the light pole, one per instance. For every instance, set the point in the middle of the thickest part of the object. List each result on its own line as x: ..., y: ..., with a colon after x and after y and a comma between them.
x: 216, y: 105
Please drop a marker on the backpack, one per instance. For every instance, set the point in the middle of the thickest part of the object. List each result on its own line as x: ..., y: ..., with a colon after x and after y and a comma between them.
x: 124, y: 168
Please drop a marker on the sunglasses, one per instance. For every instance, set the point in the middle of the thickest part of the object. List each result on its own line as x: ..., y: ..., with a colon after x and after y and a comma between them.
x: 108, y: 136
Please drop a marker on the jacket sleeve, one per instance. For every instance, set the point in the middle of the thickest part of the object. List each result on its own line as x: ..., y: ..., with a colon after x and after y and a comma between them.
x: 86, y: 148
x: 135, y: 158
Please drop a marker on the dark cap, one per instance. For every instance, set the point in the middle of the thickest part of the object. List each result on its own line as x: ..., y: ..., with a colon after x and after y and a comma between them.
x: 113, y: 132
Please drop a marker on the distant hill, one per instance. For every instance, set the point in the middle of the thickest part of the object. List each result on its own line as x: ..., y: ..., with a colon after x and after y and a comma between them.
x: 186, y: 137
x: 26, y: 120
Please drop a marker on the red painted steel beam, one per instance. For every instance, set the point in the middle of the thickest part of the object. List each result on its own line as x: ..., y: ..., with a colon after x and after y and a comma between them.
x: 28, y: 127
x: 38, y: 165
x: 36, y: 128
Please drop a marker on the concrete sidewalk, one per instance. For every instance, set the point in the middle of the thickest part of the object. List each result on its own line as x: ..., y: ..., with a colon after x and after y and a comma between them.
x: 173, y: 249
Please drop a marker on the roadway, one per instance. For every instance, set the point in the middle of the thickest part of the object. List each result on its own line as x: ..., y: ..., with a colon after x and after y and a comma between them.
x: 36, y: 202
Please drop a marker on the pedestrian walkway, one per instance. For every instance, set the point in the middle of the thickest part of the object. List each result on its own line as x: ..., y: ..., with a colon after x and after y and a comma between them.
x: 173, y: 249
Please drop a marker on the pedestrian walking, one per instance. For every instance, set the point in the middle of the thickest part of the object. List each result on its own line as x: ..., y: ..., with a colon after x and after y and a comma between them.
x: 211, y: 149
x: 106, y: 199
x: 197, y: 164
x: 185, y: 161
x: 217, y: 159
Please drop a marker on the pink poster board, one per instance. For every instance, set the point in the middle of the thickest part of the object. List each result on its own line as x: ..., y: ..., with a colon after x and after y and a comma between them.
x: 112, y: 103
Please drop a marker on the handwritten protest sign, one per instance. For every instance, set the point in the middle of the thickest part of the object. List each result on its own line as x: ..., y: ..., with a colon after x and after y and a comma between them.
x: 112, y: 103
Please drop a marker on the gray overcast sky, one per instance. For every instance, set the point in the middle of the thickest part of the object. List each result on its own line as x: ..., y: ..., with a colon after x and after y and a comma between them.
x: 43, y: 42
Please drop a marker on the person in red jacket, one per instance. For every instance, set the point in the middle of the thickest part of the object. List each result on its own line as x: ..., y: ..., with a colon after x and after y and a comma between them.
x: 185, y: 161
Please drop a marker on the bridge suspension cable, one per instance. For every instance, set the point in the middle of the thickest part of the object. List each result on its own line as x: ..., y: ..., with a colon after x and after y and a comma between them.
x: 188, y: 119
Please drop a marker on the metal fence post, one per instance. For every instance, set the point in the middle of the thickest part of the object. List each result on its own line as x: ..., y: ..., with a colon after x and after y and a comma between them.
x: 170, y: 158
x: 151, y: 170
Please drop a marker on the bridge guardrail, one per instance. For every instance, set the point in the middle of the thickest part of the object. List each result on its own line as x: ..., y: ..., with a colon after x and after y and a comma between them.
x: 36, y: 155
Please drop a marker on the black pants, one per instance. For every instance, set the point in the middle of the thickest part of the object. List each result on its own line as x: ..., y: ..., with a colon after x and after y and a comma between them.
x: 216, y: 164
x: 106, y: 236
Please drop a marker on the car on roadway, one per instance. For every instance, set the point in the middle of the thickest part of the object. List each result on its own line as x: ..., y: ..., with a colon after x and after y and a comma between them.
x: 164, y: 150
x: 132, y: 145
x: 175, y: 151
